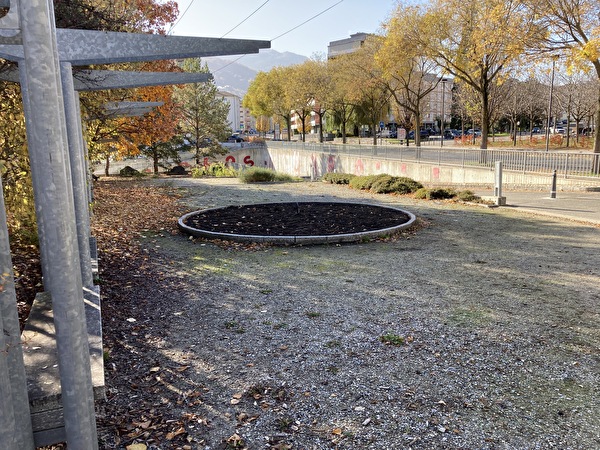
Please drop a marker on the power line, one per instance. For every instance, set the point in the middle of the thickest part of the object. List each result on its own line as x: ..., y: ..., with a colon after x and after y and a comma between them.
x: 254, y: 12
x: 308, y: 20
x: 281, y: 35
x: 180, y: 17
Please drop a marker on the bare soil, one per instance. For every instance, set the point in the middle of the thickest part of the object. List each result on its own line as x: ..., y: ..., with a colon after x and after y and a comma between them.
x: 297, y: 219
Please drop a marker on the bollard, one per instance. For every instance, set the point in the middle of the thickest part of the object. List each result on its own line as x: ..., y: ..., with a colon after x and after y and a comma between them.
x: 553, y: 189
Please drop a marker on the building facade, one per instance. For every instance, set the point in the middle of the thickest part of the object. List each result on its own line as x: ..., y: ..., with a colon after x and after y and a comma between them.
x: 346, y: 46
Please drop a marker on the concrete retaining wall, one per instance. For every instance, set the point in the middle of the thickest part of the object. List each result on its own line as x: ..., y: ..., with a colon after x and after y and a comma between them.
x: 315, y: 164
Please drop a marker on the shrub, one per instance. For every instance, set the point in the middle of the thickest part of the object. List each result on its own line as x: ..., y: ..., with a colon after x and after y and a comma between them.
x: 364, y: 182
x: 260, y: 175
x: 467, y: 196
x: 129, y: 171
x: 441, y: 194
x: 217, y: 169
x: 408, y: 184
x: 422, y: 193
x: 338, y: 178
x: 435, y: 194
x: 385, y: 184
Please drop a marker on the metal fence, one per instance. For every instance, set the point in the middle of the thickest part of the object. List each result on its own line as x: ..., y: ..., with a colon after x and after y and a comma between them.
x: 566, y: 164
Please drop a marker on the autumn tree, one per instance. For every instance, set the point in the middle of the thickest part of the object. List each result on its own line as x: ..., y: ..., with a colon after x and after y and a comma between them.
x: 155, y: 134
x: 300, y: 92
x: 341, y: 98
x: 320, y: 83
x: 148, y: 16
x: 477, y: 43
x: 371, y: 95
x: 410, y: 75
x: 268, y: 95
x: 572, y: 29
x: 107, y: 15
x: 203, y: 113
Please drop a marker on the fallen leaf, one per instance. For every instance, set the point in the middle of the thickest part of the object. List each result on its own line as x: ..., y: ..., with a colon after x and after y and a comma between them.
x: 337, y: 431
x: 136, y: 447
x: 175, y: 433
x: 143, y: 425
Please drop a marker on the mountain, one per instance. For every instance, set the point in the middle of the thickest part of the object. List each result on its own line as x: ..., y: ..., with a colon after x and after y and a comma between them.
x: 267, y: 59
x: 234, y: 74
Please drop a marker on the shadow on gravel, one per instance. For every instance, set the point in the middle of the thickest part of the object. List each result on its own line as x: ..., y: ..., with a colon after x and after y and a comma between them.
x: 479, y: 329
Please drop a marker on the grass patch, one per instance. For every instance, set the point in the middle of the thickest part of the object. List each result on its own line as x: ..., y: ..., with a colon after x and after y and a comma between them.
x: 469, y: 317
x: 392, y: 339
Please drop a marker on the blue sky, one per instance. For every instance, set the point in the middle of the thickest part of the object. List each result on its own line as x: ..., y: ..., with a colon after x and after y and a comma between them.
x: 214, y: 18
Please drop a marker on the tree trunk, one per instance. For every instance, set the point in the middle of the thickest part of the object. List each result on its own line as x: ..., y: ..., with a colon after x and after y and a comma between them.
x: 107, y: 165
x: 374, y: 127
x: 485, y: 119
x: 321, y: 114
x: 417, y: 130
x: 155, y: 161
x: 597, y: 127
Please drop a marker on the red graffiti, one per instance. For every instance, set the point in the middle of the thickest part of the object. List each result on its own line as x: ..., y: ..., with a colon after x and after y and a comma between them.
x: 359, y: 167
x: 248, y: 161
x: 331, y: 163
x: 206, y: 164
x: 436, y: 173
x: 230, y: 159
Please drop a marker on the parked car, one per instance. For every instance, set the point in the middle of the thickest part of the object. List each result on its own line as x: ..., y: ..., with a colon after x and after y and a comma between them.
x: 235, y: 138
x: 424, y: 133
x: 536, y: 130
x: 473, y: 131
x: 451, y: 133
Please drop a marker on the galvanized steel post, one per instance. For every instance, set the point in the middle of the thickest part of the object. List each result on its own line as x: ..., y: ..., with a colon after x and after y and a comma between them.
x: 47, y: 142
x: 15, y: 418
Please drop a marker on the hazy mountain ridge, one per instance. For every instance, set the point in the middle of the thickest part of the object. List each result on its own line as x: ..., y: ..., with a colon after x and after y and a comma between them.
x: 234, y: 74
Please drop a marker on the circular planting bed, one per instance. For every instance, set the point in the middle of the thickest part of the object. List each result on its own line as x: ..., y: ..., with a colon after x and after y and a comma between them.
x: 296, y: 222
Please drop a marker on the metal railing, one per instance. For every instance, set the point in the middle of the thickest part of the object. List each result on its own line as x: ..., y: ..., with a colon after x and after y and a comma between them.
x: 566, y: 164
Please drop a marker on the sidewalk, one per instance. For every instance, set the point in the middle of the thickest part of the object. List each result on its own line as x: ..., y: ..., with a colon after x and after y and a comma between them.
x: 580, y: 206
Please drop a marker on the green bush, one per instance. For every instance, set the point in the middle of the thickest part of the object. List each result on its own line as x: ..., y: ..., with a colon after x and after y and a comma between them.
x: 338, y: 178
x: 442, y: 194
x: 398, y: 185
x: 382, y: 185
x: 217, y: 169
x: 405, y: 185
x: 467, y: 196
x: 422, y: 193
x: 435, y: 194
x: 364, y: 182
x: 129, y: 171
x: 385, y: 184
x: 260, y: 175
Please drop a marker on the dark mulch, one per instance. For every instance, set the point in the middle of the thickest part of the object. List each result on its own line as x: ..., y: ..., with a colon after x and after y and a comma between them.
x: 297, y: 219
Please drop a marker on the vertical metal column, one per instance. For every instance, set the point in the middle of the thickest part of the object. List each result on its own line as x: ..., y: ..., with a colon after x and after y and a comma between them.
x: 46, y: 136
x: 78, y: 169
x: 15, y: 417
x: 498, y: 179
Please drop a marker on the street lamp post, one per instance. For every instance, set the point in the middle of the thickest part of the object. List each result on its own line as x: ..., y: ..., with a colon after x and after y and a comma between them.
x: 443, y: 120
x: 554, y: 58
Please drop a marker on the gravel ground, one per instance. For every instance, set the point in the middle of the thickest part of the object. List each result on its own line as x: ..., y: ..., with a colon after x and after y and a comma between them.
x: 478, y: 329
